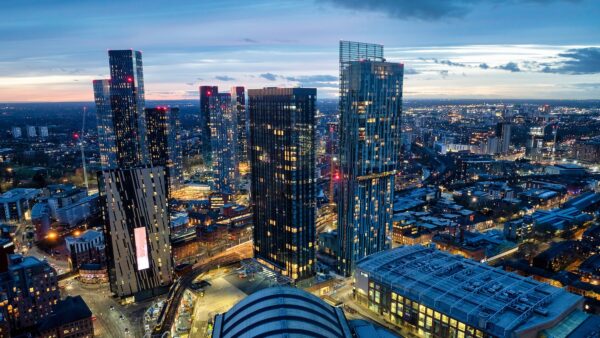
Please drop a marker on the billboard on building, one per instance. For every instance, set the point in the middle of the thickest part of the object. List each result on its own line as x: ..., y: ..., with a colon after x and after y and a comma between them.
x: 141, y: 248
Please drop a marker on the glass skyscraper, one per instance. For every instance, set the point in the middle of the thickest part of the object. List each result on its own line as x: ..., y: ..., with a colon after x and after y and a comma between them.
x: 371, y: 109
x: 127, y: 104
x: 283, y: 183
x: 223, y: 139
x: 104, y: 121
x: 238, y: 96
x: 355, y: 51
x: 205, y: 147
x: 164, y: 143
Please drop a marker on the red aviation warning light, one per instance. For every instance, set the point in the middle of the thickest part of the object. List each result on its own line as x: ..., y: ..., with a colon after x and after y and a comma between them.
x: 76, y: 136
x: 129, y: 79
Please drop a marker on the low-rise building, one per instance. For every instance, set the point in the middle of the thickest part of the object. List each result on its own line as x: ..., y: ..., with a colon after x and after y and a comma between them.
x: 77, y: 212
x: 434, y: 293
x: 558, y: 256
x: 15, y: 204
x: 290, y: 312
x: 89, y: 247
x: 71, y: 318
x: 30, y: 291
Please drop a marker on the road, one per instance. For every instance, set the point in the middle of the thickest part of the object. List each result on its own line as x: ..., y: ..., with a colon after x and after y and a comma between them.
x: 231, y: 255
x: 109, y: 323
x: 344, y: 294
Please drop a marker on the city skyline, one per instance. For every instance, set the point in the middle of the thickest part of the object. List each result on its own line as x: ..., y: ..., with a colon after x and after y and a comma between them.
x: 172, y: 173
x: 512, y: 49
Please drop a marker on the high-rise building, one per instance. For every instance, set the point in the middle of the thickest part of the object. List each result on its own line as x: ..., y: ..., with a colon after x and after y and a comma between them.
x: 164, y: 143
x: 31, y: 131
x: 223, y: 139
x: 355, y: 51
x: 137, y: 233
x: 238, y: 96
x: 205, y: 93
x: 16, y: 132
x: 43, y: 131
x: 503, y: 132
x: 369, y: 144
x: 105, y: 127
x: 282, y: 161
x: 127, y: 104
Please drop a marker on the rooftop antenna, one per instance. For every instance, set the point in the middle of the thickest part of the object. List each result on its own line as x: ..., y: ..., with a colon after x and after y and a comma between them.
x: 82, y: 150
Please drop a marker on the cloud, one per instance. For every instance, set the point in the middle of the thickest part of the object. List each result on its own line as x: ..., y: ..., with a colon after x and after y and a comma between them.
x: 511, y: 66
x: 444, y: 73
x: 269, y: 76
x: 312, y: 78
x: 450, y: 63
x: 321, y: 80
x: 586, y: 85
x: 411, y: 71
x: 426, y: 9
x: 224, y: 78
x: 249, y: 40
x: 577, y: 61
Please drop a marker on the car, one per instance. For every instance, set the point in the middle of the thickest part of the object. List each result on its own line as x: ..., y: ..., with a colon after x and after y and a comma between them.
x: 121, y: 317
x: 112, y: 307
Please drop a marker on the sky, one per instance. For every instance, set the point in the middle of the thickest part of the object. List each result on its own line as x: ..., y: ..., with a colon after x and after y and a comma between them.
x: 51, y: 50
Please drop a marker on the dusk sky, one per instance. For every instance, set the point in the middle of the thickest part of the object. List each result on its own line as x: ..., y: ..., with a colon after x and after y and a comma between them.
x: 51, y: 50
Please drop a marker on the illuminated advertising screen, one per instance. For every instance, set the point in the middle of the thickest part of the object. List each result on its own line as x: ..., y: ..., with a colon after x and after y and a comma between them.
x: 141, y: 248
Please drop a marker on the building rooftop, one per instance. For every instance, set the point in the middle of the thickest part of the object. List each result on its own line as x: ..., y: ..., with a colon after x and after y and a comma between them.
x: 87, y: 236
x: 17, y: 194
x: 69, y: 310
x: 282, y: 311
x: 491, y: 299
x: 583, y: 201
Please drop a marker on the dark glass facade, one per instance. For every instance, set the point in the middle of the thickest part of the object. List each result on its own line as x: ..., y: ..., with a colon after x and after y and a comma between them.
x: 127, y: 103
x: 369, y: 146
x: 205, y: 93
x: 238, y: 96
x: 282, y: 162
x: 164, y: 143
x: 105, y: 127
x: 223, y: 139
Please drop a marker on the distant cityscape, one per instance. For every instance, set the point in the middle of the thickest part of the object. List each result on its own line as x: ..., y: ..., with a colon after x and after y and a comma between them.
x: 270, y: 212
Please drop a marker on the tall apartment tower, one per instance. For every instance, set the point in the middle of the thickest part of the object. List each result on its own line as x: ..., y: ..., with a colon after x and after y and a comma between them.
x: 503, y: 132
x: 355, y: 51
x: 104, y: 121
x: 127, y: 104
x: 205, y: 93
x: 371, y: 109
x: 223, y: 140
x: 164, y: 144
x: 136, y: 222
x: 238, y: 96
x: 282, y: 162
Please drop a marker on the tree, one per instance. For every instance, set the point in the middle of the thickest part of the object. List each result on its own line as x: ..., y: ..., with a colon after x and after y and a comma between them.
x: 39, y: 180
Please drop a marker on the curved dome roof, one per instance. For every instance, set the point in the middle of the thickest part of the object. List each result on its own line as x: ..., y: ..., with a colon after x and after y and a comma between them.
x: 282, y: 311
